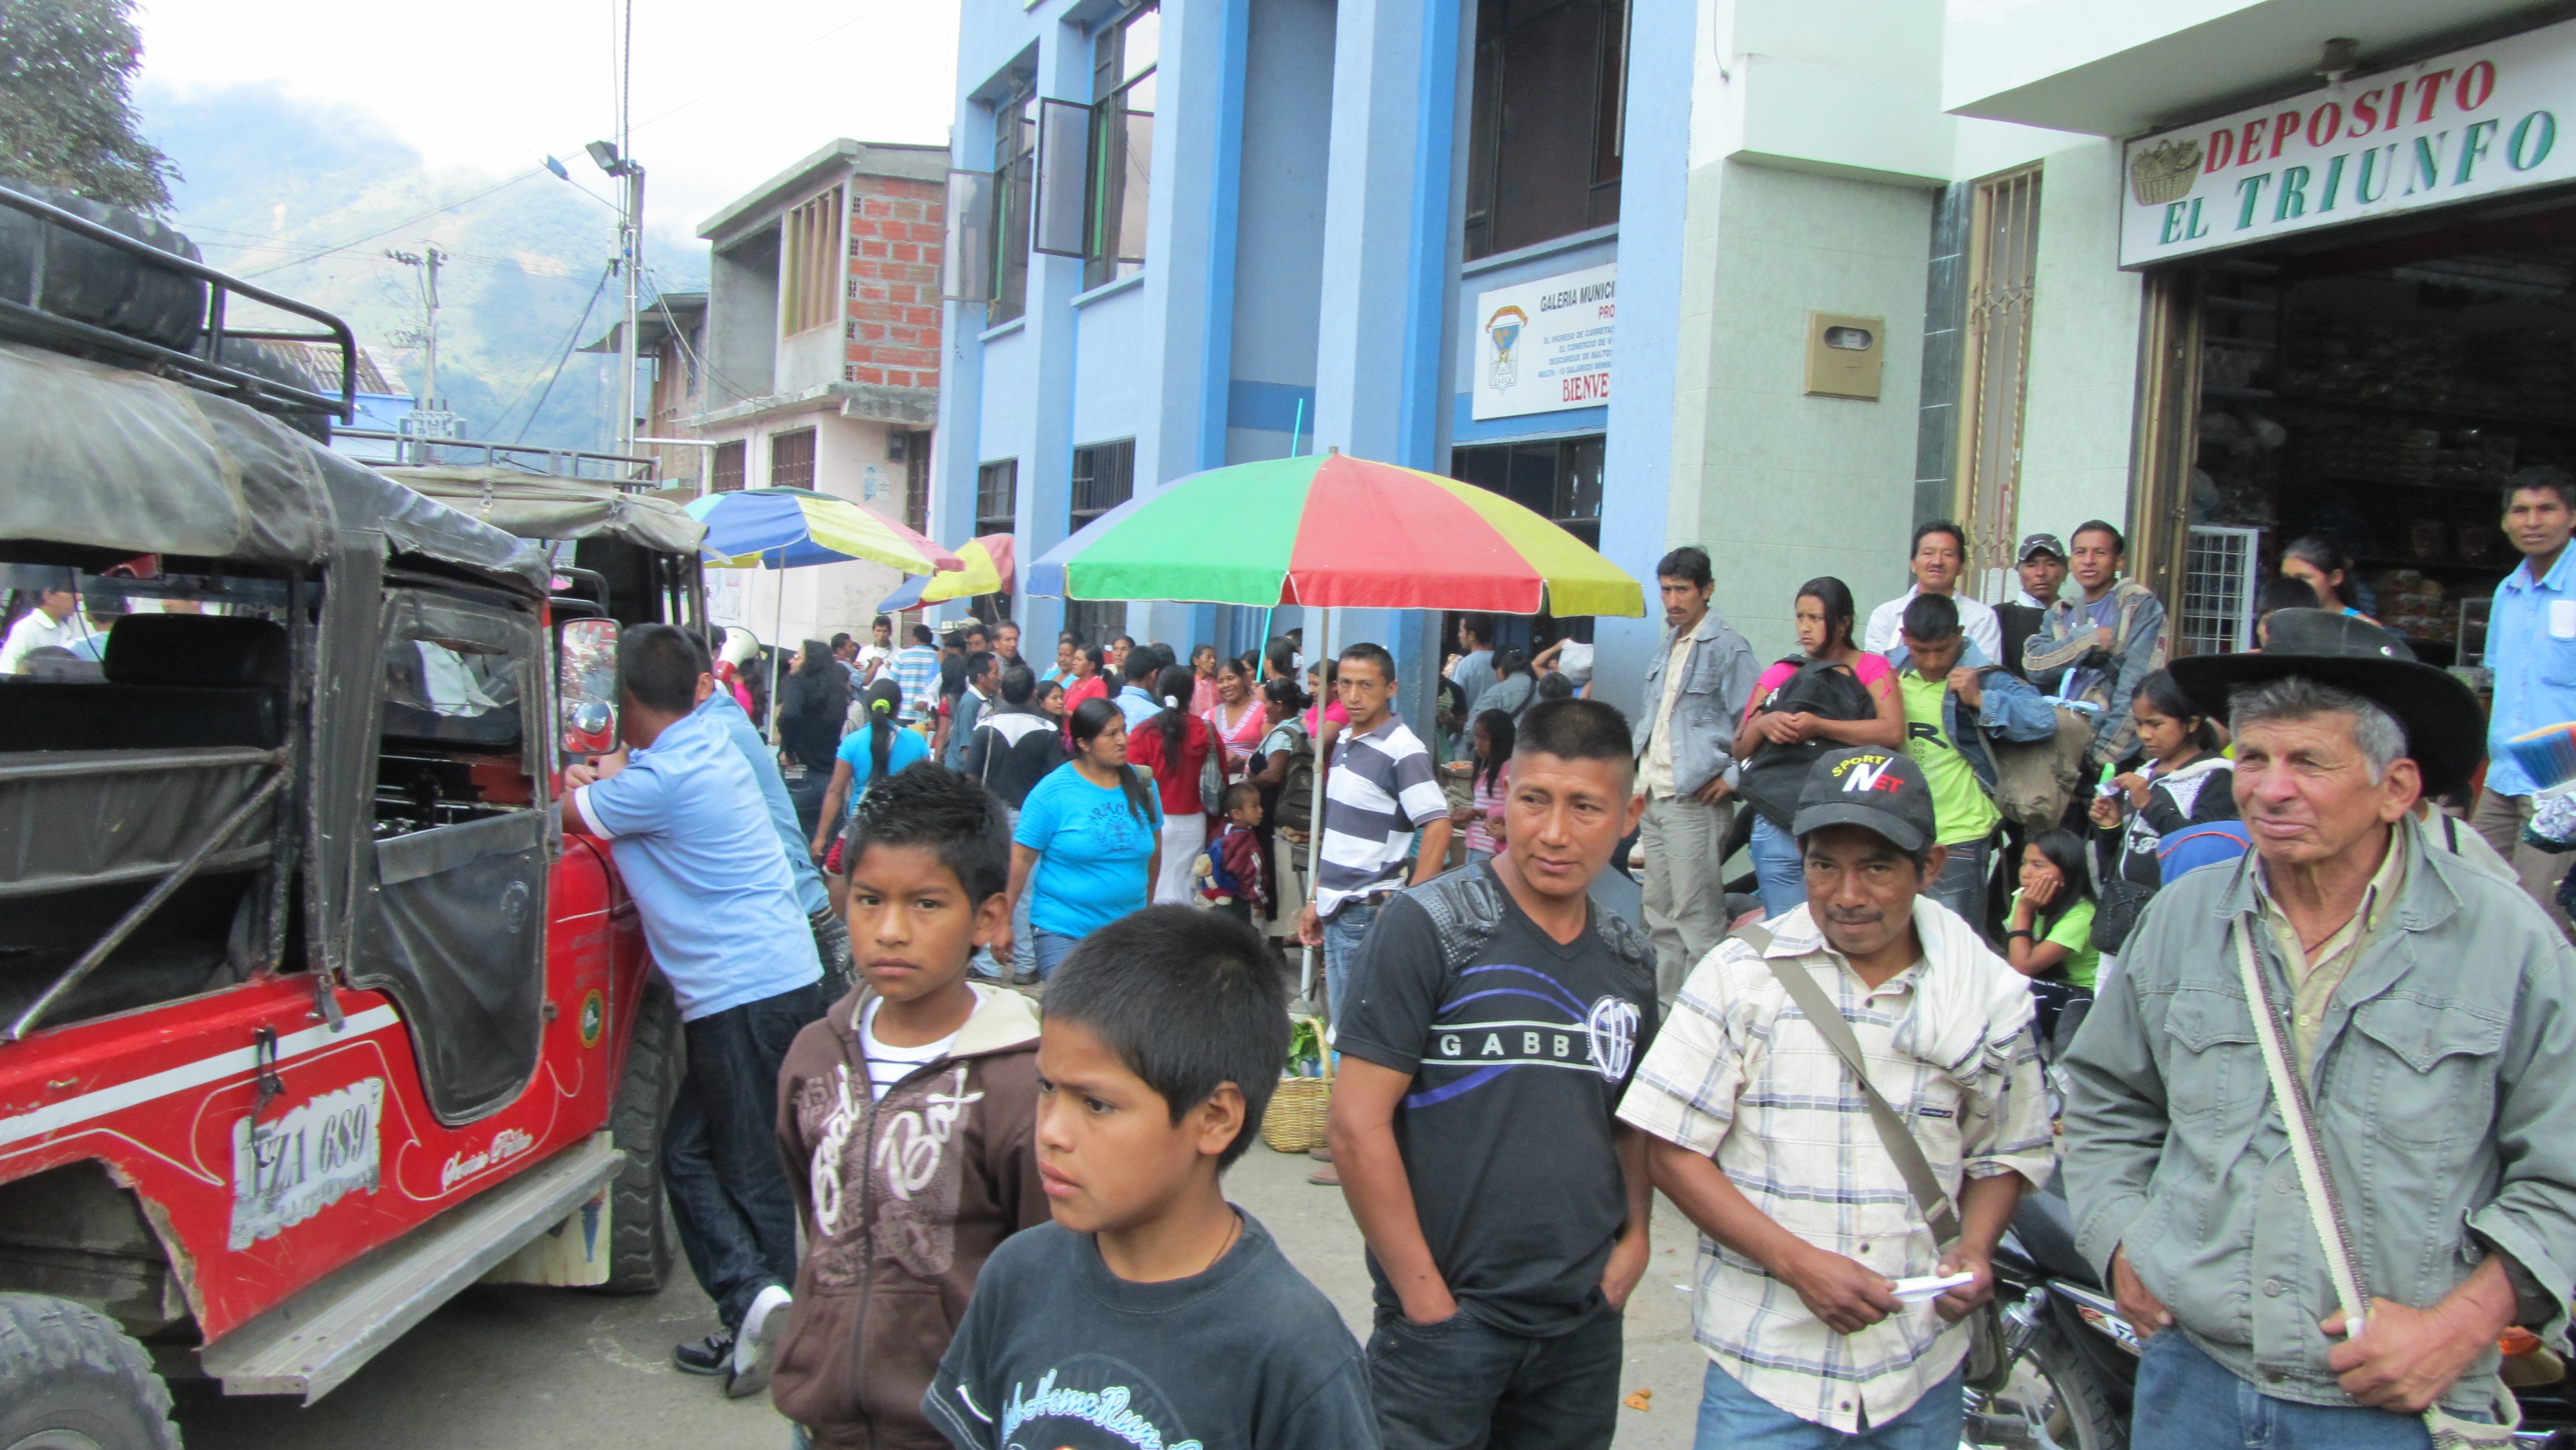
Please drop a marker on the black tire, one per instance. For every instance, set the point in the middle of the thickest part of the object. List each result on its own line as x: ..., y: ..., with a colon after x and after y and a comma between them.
x: 642, y: 1241
x: 2054, y: 1401
x: 70, y: 1378
x: 95, y: 283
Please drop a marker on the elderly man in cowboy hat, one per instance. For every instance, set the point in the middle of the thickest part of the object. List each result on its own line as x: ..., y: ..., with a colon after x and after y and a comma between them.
x: 2420, y: 1016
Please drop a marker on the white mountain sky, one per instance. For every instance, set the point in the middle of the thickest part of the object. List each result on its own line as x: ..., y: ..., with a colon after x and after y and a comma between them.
x: 724, y: 96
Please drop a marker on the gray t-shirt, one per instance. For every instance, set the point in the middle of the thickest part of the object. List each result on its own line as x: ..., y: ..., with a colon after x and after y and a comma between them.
x: 1056, y: 1351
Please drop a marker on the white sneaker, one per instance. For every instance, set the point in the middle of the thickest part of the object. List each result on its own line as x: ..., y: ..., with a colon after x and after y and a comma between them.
x: 755, y: 1344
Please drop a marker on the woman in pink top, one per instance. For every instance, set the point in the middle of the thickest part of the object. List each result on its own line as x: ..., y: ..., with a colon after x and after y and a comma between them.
x: 1203, y: 672
x: 1825, y: 615
x: 1237, y: 717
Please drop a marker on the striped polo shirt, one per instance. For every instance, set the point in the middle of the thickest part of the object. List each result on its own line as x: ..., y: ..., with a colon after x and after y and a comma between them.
x: 1378, y: 793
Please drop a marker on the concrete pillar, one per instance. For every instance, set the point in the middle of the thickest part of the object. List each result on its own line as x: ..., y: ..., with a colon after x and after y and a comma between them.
x: 1387, y: 261
x: 1638, y: 466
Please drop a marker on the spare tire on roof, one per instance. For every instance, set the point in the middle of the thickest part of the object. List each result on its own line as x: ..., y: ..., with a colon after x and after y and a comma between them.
x: 93, y: 282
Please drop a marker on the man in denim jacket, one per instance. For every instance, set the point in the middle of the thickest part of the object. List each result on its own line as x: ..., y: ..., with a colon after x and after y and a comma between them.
x: 1684, y: 731
x: 2105, y: 638
x: 2428, y: 1010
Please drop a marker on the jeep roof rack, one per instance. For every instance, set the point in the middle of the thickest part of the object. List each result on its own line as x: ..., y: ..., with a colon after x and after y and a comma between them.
x: 203, y: 367
x: 628, y: 471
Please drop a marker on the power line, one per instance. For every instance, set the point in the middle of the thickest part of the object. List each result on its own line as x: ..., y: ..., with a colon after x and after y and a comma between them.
x: 562, y: 357
x: 397, y: 226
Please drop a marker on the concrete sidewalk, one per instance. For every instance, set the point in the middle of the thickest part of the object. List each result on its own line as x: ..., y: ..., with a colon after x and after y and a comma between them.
x: 522, y: 1366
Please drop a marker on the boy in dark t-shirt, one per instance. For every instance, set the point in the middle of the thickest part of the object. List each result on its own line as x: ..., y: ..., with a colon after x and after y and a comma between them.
x: 1493, y: 1021
x: 1151, y: 1311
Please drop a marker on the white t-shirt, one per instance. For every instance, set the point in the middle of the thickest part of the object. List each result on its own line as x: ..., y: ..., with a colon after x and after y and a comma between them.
x: 36, y: 630
x: 887, y: 1064
x: 1976, y: 618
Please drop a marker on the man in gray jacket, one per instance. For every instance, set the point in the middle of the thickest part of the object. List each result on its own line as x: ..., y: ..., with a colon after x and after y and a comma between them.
x: 1696, y: 689
x: 2425, y: 1004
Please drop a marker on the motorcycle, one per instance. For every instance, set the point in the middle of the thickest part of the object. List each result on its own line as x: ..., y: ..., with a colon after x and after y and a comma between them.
x: 2073, y: 1359
x: 2072, y: 1372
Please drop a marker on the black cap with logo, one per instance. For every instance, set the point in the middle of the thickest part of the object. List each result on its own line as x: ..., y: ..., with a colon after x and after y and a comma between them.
x: 1875, y: 789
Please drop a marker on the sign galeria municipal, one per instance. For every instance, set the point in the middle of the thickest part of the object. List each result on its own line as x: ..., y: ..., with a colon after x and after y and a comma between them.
x: 1544, y: 346
x: 2472, y: 123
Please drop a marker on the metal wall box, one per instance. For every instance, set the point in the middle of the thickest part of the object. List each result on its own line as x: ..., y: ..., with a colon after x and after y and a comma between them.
x: 1845, y: 355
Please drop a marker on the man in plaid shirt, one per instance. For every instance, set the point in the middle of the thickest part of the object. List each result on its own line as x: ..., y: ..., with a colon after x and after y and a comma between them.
x: 1764, y: 1140
x: 916, y: 672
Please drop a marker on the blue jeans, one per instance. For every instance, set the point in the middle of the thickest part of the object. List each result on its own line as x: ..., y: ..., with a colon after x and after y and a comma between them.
x: 1961, y: 886
x: 1051, y: 948
x: 1343, y: 934
x: 720, y: 1150
x: 1732, y: 1417
x: 1462, y: 1385
x: 1779, y: 869
x: 2188, y: 1401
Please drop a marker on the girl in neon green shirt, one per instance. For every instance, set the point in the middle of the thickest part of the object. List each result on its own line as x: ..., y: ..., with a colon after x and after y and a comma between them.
x: 2049, y: 932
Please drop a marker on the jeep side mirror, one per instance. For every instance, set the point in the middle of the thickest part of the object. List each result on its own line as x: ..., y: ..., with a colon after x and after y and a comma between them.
x: 586, y: 686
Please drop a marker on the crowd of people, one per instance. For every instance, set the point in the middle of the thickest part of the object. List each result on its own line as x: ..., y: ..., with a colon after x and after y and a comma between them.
x: 2022, y: 907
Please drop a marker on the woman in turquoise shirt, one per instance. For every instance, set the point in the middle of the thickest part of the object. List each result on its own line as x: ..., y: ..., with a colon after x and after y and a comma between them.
x: 1089, y: 839
x: 868, y: 754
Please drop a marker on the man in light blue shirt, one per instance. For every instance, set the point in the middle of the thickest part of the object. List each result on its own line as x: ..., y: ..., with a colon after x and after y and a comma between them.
x: 682, y: 813
x: 831, y: 935
x: 1136, y: 703
x: 2531, y: 646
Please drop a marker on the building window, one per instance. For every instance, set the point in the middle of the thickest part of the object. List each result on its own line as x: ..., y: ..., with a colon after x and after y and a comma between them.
x: 1559, y: 480
x: 2002, y: 264
x: 791, y: 459
x: 1548, y: 121
x: 1104, y: 476
x: 997, y: 497
x: 1015, y: 172
x: 725, y: 474
x: 814, y: 274
x: 1123, y: 55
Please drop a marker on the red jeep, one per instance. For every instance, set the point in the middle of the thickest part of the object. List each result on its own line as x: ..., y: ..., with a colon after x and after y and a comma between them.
x: 309, y: 1014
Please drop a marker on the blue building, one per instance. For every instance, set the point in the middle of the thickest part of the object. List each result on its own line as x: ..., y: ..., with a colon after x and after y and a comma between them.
x: 1211, y: 231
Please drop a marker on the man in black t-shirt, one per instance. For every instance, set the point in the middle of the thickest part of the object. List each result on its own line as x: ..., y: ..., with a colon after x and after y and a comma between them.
x: 1493, y: 1019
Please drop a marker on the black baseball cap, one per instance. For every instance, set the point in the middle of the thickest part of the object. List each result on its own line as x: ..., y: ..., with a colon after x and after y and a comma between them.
x: 2039, y: 544
x: 1875, y: 789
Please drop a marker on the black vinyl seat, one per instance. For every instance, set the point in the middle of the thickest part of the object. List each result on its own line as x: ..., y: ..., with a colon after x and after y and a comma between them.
x: 173, y: 681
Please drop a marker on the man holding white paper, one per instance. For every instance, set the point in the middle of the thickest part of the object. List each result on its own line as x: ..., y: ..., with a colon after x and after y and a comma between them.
x: 1847, y: 1101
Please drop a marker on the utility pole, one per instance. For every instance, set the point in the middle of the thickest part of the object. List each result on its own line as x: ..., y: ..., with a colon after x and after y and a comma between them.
x: 630, y: 261
x: 429, y: 418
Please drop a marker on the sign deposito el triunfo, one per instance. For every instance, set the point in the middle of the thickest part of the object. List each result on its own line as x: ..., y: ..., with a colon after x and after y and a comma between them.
x: 1544, y: 346
x: 2472, y: 123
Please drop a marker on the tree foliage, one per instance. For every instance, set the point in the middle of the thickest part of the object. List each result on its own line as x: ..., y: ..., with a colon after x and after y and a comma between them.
x: 67, y: 114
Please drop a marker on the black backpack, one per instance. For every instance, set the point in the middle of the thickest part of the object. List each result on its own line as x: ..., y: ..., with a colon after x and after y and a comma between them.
x: 1771, y: 780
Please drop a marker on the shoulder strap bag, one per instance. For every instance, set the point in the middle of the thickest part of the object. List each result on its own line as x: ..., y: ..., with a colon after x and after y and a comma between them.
x: 1989, y: 1362
x: 2325, y: 1208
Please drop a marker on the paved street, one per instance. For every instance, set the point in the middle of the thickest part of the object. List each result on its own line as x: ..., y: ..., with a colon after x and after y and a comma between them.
x: 520, y: 1366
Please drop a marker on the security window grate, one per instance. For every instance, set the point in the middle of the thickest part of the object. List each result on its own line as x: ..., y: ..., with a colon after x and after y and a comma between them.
x: 2218, y: 591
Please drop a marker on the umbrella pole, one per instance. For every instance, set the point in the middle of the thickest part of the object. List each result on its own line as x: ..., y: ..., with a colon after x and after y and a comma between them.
x: 1315, y: 817
x: 778, y: 643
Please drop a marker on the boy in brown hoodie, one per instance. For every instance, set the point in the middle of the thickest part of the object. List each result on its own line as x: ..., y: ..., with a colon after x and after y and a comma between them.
x: 906, y: 1118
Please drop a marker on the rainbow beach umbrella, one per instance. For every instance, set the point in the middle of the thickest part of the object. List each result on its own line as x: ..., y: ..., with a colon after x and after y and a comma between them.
x: 988, y: 571
x: 1331, y: 531
x: 795, y: 528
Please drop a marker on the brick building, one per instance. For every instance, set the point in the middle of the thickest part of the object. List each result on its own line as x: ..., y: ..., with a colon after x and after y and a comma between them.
x: 820, y: 351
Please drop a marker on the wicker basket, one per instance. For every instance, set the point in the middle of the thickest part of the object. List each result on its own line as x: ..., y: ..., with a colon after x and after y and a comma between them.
x: 1295, y: 1120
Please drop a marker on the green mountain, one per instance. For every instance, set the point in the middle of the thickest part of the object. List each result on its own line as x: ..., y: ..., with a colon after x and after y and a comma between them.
x: 306, y: 200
